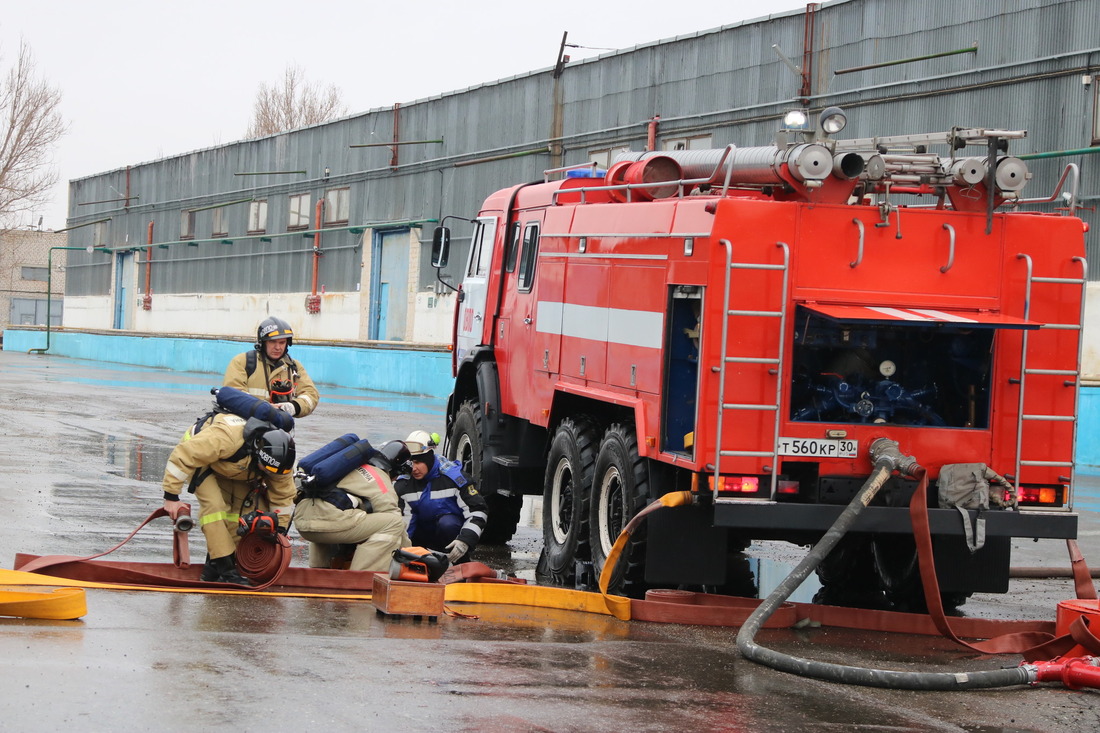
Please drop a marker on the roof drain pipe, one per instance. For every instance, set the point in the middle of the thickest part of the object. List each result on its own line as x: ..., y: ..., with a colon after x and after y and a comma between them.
x: 313, y: 300
x: 886, y: 458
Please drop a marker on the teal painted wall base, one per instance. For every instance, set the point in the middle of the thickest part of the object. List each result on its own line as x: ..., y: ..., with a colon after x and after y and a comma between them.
x: 385, y: 369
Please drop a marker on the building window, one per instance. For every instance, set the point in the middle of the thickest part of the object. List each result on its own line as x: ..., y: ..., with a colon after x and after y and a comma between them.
x: 1094, y: 80
x: 221, y: 223
x: 298, y: 216
x: 337, y: 206
x: 187, y: 224
x: 604, y: 158
x: 34, y: 273
x: 257, y: 217
x: 697, y: 142
x: 99, y: 234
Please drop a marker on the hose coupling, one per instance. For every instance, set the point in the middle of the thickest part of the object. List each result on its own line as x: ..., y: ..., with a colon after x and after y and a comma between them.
x: 885, y: 451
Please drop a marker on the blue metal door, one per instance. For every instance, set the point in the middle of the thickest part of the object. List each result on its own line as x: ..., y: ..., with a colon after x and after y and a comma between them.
x: 124, y: 274
x: 389, y: 299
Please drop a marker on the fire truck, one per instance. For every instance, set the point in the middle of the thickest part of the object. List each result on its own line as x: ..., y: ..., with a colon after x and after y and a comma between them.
x: 743, y: 323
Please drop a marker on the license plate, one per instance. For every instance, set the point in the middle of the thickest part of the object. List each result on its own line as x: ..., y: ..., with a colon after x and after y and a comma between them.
x: 818, y: 447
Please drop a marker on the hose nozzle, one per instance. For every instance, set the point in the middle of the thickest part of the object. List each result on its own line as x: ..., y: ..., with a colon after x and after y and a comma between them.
x: 183, y: 522
x: 885, y: 451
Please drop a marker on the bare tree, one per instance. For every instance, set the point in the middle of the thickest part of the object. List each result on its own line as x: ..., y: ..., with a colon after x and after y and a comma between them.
x: 294, y: 103
x: 30, y: 126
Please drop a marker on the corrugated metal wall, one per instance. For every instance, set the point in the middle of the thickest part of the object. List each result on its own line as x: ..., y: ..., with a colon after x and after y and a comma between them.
x: 729, y: 82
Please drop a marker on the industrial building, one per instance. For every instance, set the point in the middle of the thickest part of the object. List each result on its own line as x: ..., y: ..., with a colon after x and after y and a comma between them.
x: 329, y: 226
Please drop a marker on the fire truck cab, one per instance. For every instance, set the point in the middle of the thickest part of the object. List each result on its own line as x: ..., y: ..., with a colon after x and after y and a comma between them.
x: 742, y: 324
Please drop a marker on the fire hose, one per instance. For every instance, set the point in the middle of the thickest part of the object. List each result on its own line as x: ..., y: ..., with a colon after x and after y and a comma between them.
x: 261, y: 560
x: 886, y: 458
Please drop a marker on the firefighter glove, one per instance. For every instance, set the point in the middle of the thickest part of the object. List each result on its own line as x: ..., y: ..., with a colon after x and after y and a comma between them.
x: 456, y: 550
x: 287, y: 407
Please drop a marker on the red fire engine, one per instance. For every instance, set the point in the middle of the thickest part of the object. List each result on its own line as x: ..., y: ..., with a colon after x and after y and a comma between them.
x: 744, y: 323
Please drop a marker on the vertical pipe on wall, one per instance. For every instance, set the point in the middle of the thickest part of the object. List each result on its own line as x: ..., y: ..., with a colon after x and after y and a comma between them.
x: 147, y: 299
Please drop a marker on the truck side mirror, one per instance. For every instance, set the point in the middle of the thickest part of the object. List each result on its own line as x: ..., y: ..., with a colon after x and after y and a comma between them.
x: 441, y: 246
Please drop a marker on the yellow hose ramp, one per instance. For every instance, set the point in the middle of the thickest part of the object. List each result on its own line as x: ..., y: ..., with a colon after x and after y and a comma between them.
x: 56, y: 604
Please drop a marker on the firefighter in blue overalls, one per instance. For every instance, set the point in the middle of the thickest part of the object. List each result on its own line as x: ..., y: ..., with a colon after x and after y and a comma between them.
x: 445, y: 510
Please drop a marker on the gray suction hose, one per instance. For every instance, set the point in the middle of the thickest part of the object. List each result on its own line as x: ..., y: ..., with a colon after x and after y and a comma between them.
x: 886, y: 458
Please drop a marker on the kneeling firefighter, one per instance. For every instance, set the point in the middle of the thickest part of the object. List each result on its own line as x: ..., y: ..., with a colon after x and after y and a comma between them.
x: 347, y: 503
x: 237, y: 460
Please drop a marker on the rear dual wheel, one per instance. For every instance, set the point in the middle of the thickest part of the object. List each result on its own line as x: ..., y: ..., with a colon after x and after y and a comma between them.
x: 566, y: 493
x: 620, y: 491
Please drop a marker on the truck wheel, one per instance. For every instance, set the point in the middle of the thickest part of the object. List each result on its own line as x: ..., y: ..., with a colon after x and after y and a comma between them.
x: 899, y: 574
x: 465, y: 447
x: 566, y: 492
x: 620, y: 490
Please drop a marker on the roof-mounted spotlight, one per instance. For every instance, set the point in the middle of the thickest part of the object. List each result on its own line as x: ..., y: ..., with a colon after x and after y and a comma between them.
x: 796, y: 119
x: 831, y: 120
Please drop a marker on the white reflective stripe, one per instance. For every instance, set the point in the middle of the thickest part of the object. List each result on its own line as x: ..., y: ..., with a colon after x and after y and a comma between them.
x: 472, y: 527
x: 283, y: 509
x: 940, y: 315
x: 177, y: 472
x: 381, y: 537
x: 548, y: 317
x: 584, y: 321
x: 609, y: 325
x: 306, y: 398
x: 900, y: 314
x: 259, y: 393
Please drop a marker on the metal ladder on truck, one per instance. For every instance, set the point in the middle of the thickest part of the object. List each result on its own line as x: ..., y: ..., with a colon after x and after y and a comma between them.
x: 777, y: 364
x: 1026, y: 371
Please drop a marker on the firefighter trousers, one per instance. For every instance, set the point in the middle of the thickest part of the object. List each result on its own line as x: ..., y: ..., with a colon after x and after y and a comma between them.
x: 375, y: 537
x: 221, y: 502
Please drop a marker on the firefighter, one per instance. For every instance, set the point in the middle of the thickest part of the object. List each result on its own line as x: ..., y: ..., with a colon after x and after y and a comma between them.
x: 234, y: 467
x: 268, y: 371
x: 360, y: 515
x: 445, y: 510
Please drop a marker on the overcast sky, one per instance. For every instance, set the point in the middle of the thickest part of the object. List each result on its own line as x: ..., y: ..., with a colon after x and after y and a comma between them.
x: 147, y: 80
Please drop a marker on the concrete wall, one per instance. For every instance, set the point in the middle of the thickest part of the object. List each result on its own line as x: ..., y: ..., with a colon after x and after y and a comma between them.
x: 25, y: 248
x: 406, y: 369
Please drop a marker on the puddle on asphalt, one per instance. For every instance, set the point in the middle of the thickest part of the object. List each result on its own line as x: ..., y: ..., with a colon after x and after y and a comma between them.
x: 753, y: 577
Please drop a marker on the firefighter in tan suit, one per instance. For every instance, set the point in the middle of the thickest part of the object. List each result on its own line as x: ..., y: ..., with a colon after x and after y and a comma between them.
x: 235, y: 467
x: 269, y: 373
x: 361, y: 511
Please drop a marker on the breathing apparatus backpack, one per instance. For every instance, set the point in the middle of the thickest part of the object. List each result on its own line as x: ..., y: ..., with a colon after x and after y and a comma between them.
x: 259, y: 416
x: 330, y: 463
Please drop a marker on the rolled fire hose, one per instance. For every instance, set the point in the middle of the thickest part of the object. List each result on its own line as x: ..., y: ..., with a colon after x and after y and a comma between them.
x: 886, y: 457
x: 263, y: 560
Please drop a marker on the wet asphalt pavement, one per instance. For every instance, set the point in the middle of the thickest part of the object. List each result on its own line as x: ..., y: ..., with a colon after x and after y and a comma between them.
x: 84, y: 450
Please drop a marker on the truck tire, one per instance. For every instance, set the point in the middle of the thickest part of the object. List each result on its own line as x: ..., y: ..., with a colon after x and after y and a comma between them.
x: 566, y: 491
x: 465, y: 447
x: 620, y: 489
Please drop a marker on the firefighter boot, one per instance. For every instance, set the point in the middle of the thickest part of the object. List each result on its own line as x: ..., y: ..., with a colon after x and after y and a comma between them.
x: 223, y: 570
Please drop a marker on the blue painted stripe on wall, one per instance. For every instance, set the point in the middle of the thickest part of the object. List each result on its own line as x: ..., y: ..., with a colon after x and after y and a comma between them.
x: 405, y: 371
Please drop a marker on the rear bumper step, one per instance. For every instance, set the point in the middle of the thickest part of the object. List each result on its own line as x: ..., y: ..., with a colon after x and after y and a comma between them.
x: 776, y: 518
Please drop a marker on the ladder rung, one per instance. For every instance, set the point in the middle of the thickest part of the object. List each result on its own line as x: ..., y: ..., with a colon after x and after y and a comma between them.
x: 753, y: 360
x: 1064, y: 372
x: 728, y: 500
x: 1050, y: 418
x: 772, y: 314
x: 728, y: 406
x: 754, y: 266
x: 754, y: 453
x: 1046, y: 463
x: 1065, y: 280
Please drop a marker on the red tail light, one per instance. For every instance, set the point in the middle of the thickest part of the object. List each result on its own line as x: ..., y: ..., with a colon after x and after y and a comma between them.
x: 1042, y: 495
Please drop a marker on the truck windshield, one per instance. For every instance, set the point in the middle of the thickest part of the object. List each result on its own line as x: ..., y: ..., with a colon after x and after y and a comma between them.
x: 896, y: 372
